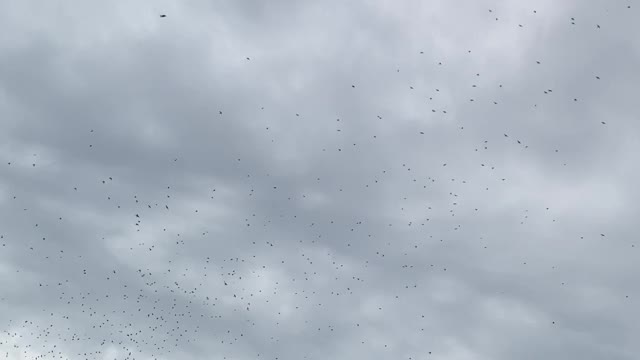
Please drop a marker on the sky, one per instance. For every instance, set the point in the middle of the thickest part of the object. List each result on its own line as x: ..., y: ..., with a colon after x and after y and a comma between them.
x: 367, y: 179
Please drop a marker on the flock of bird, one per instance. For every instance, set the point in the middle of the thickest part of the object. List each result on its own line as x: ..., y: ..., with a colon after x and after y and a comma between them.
x: 179, y: 288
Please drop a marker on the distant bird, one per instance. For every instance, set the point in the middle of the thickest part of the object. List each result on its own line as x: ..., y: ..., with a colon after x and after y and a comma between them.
x: 163, y: 15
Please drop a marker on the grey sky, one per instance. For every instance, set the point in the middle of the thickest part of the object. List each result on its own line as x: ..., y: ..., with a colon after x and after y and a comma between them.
x: 319, y: 180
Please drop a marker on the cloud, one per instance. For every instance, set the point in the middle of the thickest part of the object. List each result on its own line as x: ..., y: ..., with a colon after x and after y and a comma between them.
x: 305, y: 180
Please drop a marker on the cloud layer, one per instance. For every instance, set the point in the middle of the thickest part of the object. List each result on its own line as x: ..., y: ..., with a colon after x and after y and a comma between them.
x: 334, y: 180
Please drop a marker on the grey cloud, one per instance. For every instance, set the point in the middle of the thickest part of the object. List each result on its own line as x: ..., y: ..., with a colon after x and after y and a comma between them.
x: 314, y: 217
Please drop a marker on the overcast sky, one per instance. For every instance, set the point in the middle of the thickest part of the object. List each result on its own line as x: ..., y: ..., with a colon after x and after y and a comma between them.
x: 244, y: 179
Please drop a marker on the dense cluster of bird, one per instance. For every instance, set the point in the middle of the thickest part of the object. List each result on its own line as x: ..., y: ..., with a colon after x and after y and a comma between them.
x: 161, y: 308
